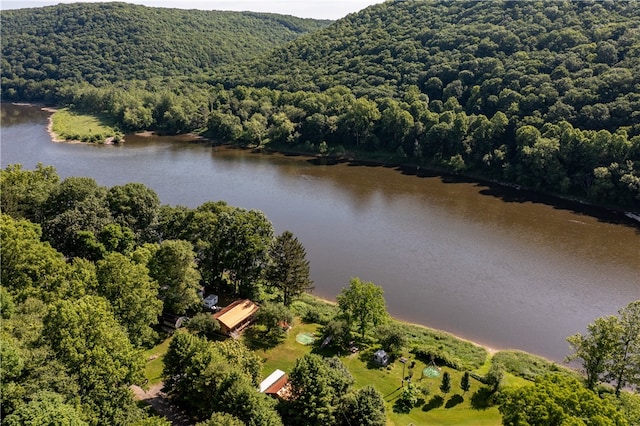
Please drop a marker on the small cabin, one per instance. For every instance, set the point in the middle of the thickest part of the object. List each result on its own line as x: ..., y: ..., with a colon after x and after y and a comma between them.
x: 237, y: 316
x: 381, y: 358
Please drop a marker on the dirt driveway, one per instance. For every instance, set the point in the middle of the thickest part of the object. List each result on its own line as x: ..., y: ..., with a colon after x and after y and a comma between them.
x: 160, y: 403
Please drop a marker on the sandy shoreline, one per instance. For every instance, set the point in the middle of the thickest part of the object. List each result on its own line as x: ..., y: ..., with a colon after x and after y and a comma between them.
x: 52, y: 134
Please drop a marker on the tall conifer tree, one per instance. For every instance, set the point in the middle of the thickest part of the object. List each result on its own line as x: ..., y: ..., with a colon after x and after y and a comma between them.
x: 289, y: 269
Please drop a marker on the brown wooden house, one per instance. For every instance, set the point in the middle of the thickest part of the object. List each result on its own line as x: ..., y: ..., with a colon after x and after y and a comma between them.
x: 235, y: 317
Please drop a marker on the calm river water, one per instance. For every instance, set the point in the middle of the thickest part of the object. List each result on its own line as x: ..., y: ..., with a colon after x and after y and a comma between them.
x: 492, y: 266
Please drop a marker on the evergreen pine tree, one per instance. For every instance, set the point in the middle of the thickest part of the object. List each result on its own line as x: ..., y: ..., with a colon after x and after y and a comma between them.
x: 289, y: 269
x: 465, y: 383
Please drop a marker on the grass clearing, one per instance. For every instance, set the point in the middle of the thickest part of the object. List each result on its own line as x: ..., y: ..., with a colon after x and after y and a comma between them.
x: 284, y: 355
x: 434, y: 407
x: 154, y: 365
x: 72, y: 126
x: 529, y: 366
x: 454, y: 409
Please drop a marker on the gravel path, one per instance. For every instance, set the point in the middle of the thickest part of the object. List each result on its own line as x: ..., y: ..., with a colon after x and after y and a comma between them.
x: 161, y: 405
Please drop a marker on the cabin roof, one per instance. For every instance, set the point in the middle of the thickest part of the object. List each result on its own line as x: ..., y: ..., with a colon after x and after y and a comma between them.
x: 236, y: 313
x: 278, y: 386
x: 273, y: 379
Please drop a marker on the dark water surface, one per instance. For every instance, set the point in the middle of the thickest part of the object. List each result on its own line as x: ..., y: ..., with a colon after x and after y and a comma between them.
x: 493, y: 266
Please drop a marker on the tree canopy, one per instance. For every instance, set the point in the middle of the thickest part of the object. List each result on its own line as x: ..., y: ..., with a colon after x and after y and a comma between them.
x: 363, y: 304
x: 536, y: 94
x: 557, y: 400
x: 610, y: 351
x: 82, y: 294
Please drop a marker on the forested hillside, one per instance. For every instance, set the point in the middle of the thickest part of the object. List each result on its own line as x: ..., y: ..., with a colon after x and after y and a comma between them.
x: 544, y: 95
x: 99, y: 43
x: 548, y: 61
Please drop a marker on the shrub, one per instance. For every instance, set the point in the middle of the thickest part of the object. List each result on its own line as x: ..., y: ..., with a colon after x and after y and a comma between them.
x: 526, y: 365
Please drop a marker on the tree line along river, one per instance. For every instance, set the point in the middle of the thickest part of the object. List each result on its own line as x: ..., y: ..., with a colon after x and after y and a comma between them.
x: 497, y: 266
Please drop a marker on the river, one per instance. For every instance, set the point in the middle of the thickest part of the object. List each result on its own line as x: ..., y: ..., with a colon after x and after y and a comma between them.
x: 496, y: 266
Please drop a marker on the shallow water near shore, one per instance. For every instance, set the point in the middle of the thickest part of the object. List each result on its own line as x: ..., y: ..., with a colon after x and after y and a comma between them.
x: 496, y: 266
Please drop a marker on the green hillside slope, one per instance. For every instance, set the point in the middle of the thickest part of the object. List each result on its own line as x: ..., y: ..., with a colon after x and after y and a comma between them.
x: 550, y: 61
x: 107, y: 42
x: 543, y: 95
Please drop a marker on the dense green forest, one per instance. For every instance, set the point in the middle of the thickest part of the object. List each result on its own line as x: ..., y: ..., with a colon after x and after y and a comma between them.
x: 535, y: 61
x: 544, y: 95
x: 101, y: 43
x: 87, y: 271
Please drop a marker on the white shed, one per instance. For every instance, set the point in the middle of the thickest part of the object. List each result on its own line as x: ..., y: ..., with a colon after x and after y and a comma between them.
x: 381, y: 358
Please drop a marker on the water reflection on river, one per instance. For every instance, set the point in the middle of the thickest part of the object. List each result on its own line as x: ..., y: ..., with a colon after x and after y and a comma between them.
x: 481, y: 262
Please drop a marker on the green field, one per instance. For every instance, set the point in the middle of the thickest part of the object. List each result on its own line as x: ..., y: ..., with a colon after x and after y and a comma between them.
x: 154, y: 365
x: 72, y: 126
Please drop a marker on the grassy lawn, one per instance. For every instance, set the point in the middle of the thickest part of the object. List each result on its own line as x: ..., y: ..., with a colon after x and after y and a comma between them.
x: 70, y: 125
x: 283, y: 356
x: 153, y: 367
x: 434, y: 407
x: 453, y: 409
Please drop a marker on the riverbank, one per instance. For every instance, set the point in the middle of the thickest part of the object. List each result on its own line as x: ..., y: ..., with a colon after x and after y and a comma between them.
x: 504, y: 190
x: 81, y: 130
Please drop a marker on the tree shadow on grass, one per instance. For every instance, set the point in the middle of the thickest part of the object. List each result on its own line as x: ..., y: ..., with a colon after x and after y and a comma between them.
x: 400, y: 407
x: 454, y: 400
x: 436, y: 402
x: 259, y: 338
x: 482, y: 398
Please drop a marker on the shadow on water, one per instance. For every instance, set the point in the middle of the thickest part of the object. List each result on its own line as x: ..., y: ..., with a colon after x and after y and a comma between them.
x: 505, y: 192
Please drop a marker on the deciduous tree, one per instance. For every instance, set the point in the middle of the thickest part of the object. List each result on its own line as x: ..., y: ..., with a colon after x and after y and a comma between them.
x: 88, y: 339
x: 365, y: 406
x: 132, y: 293
x: 363, y: 303
x: 28, y: 264
x: 316, y: 387
x: 596, y: 349
x: 624, y: 366
x: 135, y: 206
x: 275, y: 317
x: 46, y: 408
x: 174, y: 267
x: 25, y: 192
x: 555, y: 400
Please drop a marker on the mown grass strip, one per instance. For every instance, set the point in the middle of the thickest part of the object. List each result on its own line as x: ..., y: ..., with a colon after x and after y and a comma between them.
x: 72, y: 126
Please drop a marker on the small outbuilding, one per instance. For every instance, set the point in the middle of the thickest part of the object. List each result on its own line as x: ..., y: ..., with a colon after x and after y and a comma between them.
x: 380, y: 357
x: 170, y: 323
x: 235, y: 317
x: 210, y: 302
x: 276, y: 385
